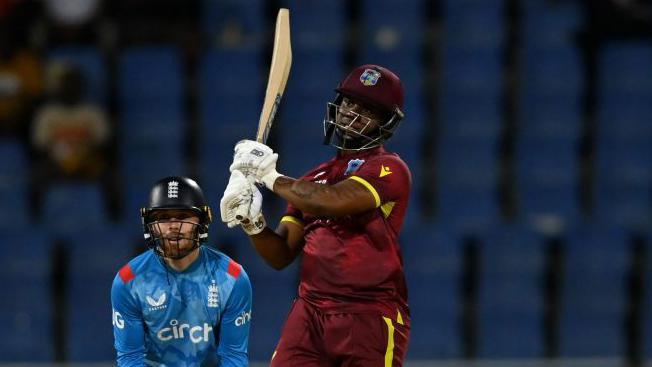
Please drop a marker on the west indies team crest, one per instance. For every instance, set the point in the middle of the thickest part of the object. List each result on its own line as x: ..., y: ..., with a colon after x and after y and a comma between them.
x: 369, y: 77
x: 354, y: 165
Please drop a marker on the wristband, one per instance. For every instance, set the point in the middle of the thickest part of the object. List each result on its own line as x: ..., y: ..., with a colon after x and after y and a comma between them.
x: 269, y: 179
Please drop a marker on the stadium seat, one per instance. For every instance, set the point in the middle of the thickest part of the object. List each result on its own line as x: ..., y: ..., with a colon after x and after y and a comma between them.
x: 93, y: 261
x: 26, y: 312
x: 474, y: 24
x: 510, y: 300
x: 467, y: 182
x: 549, y: 25
x: 624, y: 136
x: 594, y: 293
x: 547, y: 176
x: 14, y: 177
x: 299, y: 127
x: 229, y: 105
x: 152, y: 128
x: 623, y: 67
x: 90, y: 61
x: 70, y: 208
x: 219, y: 18
x: 151, y: 93
x: 432, y: 259
x: 317, y: 24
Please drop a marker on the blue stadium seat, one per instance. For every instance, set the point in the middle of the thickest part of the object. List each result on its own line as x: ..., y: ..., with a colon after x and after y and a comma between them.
x: 547, y: 116
x: 472, y: 71
x: 432, y: 259
x: 623, y: 180
x: 624, y: 136
x: 594, y: 293
x: 510, y: 301
x: 147, y: 161
x: 26, y: 312
x: 69, y: 208
x: 94, y: 260
x: 230, y: 104
x: 151, y: 94
x: 556, y: 72
x: 407, y: 20
x: 547, y: 176
x: 624, y: 116
x: 14, y: 172
x: 317, y: 24
x: 90, y: 61
x: 458, y: 121
x: 474, y: 24
x: 549, y: 25
x: 219, y: 17
x: 310, y: 87
x: 467, y: 183
x: 623, y: 67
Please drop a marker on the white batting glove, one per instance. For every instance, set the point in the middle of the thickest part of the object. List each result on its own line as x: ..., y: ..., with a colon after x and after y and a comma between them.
x: 254, y: 225
x: 241, y: 200
x: 256, y: 160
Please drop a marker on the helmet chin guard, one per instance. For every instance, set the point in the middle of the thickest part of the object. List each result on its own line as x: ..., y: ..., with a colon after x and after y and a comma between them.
x: 373, y: 86
x: 347, y: 137
x: 176, y: 244
x: 176, y: 193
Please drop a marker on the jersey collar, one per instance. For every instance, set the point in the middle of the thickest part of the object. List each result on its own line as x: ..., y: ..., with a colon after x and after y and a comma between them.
x: 360, y: 154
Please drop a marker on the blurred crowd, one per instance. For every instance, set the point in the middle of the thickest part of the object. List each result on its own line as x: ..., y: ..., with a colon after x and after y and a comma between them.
x: 471, y: 134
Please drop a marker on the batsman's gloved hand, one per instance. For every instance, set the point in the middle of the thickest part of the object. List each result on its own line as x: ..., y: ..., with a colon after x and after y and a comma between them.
x: 241, y: 200
x: 253, y: 225
x: 256, y: 160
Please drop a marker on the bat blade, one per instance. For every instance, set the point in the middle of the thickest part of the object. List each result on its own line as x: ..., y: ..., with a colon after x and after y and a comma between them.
x: 279, y: 72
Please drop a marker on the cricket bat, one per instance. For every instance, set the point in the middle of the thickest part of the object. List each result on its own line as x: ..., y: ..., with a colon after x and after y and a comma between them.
x: 279, y: 72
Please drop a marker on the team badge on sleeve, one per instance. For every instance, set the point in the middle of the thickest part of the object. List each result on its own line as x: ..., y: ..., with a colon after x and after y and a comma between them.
x: 354, y: 165
x: 369, y: 77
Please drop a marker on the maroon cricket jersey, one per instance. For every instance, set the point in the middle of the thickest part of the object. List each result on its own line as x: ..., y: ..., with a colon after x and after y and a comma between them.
x: 354, y: 263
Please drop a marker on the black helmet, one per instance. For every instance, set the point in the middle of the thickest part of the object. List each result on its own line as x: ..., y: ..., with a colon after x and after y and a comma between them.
x: 180, y: 193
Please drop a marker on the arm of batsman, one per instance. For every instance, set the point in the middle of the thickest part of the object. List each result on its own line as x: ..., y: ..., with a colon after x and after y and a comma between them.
x: 256, y: 160
x: 241, y: 200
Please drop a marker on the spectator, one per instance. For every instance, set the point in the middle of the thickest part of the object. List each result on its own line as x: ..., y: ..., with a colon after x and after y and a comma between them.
x: 20, y: 82
x: 69, y: 135
x: 69, y: 132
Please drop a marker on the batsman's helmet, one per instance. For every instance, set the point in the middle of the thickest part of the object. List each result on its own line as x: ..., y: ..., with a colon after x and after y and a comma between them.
x: 179, y: 193
x: 373, y: 86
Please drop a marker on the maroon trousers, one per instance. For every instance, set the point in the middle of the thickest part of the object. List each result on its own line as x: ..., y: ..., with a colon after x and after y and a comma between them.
x: 313, y: 338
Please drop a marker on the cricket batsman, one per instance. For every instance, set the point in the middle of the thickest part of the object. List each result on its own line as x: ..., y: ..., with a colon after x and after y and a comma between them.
x: 344, y: 217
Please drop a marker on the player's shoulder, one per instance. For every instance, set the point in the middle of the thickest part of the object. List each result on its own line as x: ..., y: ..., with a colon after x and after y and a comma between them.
x: 387, y: 163
x: 138, y: 265
x: 226, y: 264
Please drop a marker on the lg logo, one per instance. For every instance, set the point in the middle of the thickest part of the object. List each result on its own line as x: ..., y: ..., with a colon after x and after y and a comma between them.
x: 118, y: 321
x: 244, y: 318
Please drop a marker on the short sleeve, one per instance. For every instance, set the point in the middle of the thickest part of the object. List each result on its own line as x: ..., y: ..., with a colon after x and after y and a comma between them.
x: 293, y: 215
x: 387, y: 177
